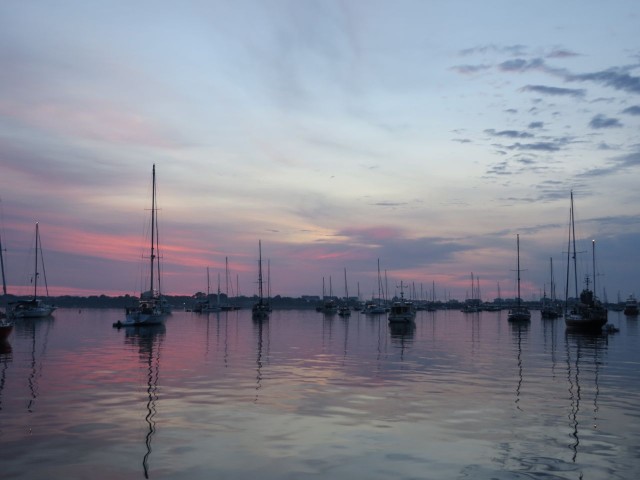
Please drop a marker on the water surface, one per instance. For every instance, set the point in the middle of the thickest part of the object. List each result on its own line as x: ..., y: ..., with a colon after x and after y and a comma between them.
x: 303, y: 396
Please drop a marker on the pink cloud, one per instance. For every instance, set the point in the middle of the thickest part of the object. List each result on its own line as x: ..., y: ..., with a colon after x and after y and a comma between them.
x: 93, y: 120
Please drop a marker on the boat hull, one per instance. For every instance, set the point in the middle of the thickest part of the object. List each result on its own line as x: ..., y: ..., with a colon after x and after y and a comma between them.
x: 401, y: 318
x: 402, y: 312
x: 5, y: 329
x: 585, y: 318
x: 520, y: 315
x: 31, y: 310
x: 141, y: 317
x: 577, y: 322
x: 260, y: 311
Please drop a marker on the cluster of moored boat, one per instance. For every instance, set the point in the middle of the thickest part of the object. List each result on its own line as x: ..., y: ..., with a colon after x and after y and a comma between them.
x: 587, y: 313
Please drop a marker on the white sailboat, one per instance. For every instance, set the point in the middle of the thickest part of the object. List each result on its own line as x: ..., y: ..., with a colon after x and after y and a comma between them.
x: 151, y: 308
x: 519, y: 313
x: 34, y: 308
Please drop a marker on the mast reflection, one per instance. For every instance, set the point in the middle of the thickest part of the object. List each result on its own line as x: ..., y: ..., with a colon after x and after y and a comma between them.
x: 6, y: 357
x: 29, y: 329
x: 583, y: 352
x: 259, y: 326
x: 148, y: 341
x: 519, y: 331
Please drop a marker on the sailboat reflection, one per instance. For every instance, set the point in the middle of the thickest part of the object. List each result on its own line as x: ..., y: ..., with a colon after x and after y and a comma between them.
x: 583, y: 352
x: 260, y: 325
x: 30, y: 329
x: 6, y: 357
x: 519, y: 331
x: 148, y: 340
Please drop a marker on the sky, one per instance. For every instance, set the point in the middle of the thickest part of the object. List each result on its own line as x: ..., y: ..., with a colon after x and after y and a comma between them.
x: 425, y: 134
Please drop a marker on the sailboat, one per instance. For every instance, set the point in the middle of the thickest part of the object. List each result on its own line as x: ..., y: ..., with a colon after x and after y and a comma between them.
x: 6, y: 326
x: 34, y: 308
x: 205, y: 306
x: 260, y: 310
x: 519, y: 313
x: 550, y: 309
x: 343, y: 309
x: 151, y: 308
x: 588, y: 313
x: 378, y: 307
x: 329, y: 305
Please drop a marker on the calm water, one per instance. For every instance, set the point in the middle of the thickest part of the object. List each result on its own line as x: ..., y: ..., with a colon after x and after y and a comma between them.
x: 302, y: 396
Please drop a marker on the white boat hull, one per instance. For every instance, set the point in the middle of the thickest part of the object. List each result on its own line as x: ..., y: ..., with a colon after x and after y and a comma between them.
x: 137, y: 317
x: 32, y: 310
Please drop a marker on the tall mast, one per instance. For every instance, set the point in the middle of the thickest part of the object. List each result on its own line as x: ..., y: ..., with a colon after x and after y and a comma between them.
x: 518, y: 248
x: 379, y: 284
x: 593, y: 254
x: 208, y: 285
x: 4, y: 280
x: 35, y: 275
x: 260, y: 269
x: 346, y: 288
x: 473, y: 293
x: 553, y: 286
x: 226, y: 276
x: 153, y: 224
x: 573, y: 235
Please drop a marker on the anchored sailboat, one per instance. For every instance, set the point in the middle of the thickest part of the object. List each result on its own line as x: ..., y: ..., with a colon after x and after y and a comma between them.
x: 587, y: 313
x: 519, y: 313
x: 34, y: 308
x: 261, y: 309
x: 6, y: 326
x: 151, y: 308
x: 343, y: 309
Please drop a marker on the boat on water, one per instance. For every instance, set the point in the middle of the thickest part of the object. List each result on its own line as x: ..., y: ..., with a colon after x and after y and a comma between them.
x: 6, y: 327
x: 205, y: 305
x: 550, y: 309
x: 377, y: 306
x: 402, y: 311
x: 152, y: 308
x: 328, y: 305
x: 374, y: 308
x: 588, y: 313
x: 631, y: 307
x: 34, y: 307
x: 519, y: 312
x: 261, y: 309
x: 343, y: 309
